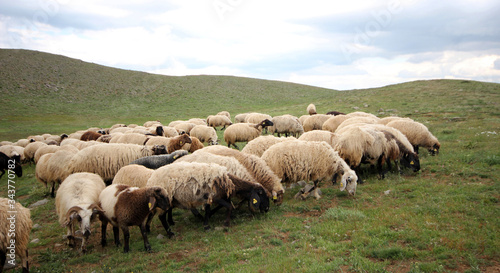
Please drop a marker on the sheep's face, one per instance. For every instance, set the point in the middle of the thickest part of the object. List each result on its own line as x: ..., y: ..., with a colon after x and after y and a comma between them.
x: 266, y: 123
x: 435, y: 149
x: 84, y: 218
x: 349, y: 182
x: 278, y: 197
x: 259, y: 201
x: 411, y: 161
x: 159, y: 199
x: 159, y: 149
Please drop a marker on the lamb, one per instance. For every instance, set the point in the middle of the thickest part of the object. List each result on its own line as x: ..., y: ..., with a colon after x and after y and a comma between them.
x: 156, y: 161
x: 15, y: 243
x: 320, y: 135
x: 133, y: 175
x: 315, y: 122
x: 311, y: 109
x: 107, y: 159
x: 332, y: 123
x: 218, y: 121
x: 244, y: 132
x: 259, y: 145
x: 190, y: 185
x: 205, y: 134
x: 126, y: 206
x: 286, y: 124
x: 52, y: 168
x: 77, y: 202
x: 418, y: 135
x: 297, y: 160
x: 11, y: 164
x: 256, y: 167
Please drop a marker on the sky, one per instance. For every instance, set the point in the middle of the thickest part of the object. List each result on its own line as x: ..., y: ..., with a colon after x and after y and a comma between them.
x: 341, y: 45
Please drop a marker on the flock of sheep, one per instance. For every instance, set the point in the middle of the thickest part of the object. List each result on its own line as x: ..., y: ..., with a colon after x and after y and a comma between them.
x: 126, y: 174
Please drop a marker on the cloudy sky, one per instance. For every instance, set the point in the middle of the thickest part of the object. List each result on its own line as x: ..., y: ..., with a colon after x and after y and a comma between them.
x: 334, y: 44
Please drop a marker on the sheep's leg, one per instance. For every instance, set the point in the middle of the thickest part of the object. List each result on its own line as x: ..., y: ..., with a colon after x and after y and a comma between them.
x: 196, y: 213
x: 334, y: 178
x: 380, y: 164
x: 170, y: 218
x: 206, y: 226
x: 104, y: 226
x: 415, y: 147
x: 116, y: 233
x: 52, y: 194
x: 213, y: 211
x: 151, y: 215
x: 227, y: 204
x: 25, y: 263
x: 163, y: 220
x: 147, y: 246
x: 357, y: 170
x: 3, y: 171
x: 70, y: 236
x: 126, y: 239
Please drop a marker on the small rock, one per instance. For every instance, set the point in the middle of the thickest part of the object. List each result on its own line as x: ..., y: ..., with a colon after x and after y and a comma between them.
x: 355, y: 108
x: 58, y: 245
x: 160, y: 237
x: 387, y: 192
x: 39, y: 203
x: 366, y: 105
x: 381, y: 110
x: 308, y: 227
x: 36, y: 226
x: 302, y: 183
x: 35, y: 241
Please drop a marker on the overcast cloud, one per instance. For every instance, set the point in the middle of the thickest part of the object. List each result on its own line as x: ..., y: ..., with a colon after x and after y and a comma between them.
x: 334, y: 44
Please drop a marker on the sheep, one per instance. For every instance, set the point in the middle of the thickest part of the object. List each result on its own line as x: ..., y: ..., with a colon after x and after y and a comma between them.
x: 131, y: 138
x: 158, y: 140
x: 45, y: 150
x: 107, y: 159
x: 52, y: 168
x: 356, y: 121
x: 190, y: 185
x: 311, y: 109
x: 361, y: 114
x: 246, y: 186
x: 335, y: 113
x: 169, y: 131
x: 257, y: 118
x: 177, y: 143
x: 205, y: 134
x: 418, y: 135
x: 314, y: 122
x: 104, y: 138
x: 239, y: 132
x: 36, y: 138
x: 199, y: 121
x: 332, y: 123
x: 320, y: 135
x: 195, y: 145
x: 126, y: 206
x: 14, y: 242
x: 184, y: 127
x: 77, y: 200
x: 156, y: 130
x: 57, y: 139
x: 240, y: 118
x: 302, y: 119
x: 30, y: 150
x: 259, y: 145
x: 224, y: 113
x: 22, y: 142
x: 13, y: 150
x: 286, y: 124
x: 133, y: 175
x: 90, y: 135
x: 218, y: 121
x: 386, y: 120
x: 297, y: 160
x: 150, y: 123
x: 120, y: 130
x: 156, y: 161
x: 256, y: 167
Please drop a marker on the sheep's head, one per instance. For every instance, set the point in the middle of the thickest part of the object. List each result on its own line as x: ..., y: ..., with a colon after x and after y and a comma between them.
x: 183, y: 139
x: 411, y: 161
x: 266, y: 123
x: 349, y: 182
x: 179, y: 153
x: 159, y: 149
x: 278, y: 197
x: 83, y: 216
x: 158, y: 198
x: 159, y: 130
x: 435, y: 148
x: 259, y: 200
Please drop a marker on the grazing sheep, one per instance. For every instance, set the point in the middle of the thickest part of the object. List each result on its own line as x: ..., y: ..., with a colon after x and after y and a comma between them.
x: 259, y: 145
x: 311, y: 109
x: 77, y: 202
x: 320, y: 135
x: 361, y: 114
x: 240, y: 132
x: 224, y: 113
x: 126, y: 206
x: 133, y: 175
x: 333, y: 123
x: 218, y: 121
x: 240, y: 118
x: 190, y: 185
x: 169, y: 131
x: 30, y: 150
x: 90, y: 135
x: 315, y: 122
x: 14, y: 243
x: 195, y: 145
x: 418, y: 135
x: 35, y: 138
x: 158, y: 140
x: 184, y: 127
x: 156, y: 161
x: 356, y: 121
x: 53, y: 168
x: 45, y: 150
x: 286, y: 124
x: 104, y: 138
x: 335, y: 113
x: 13, y: 150
x: 298, y: 160
x: 256, y: 118
x: 177, y: 143
x: 205, y: 134
x: 107, y: 159
x: 256, y: 167
x: 302, y: 119
x: 57, y: 139
x: 131, y: 138
x: 22, y: 142
x: 199, y: 121
x: 150, y: 123
x: 386, y: 120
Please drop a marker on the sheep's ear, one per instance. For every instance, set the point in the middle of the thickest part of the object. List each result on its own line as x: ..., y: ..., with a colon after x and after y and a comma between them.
x: 343, y: 183
x: 275, y: 195
x: 152, y: 203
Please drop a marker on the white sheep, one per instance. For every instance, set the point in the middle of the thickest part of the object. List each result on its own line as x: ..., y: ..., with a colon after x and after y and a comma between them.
x: 240, y: 118
x: 240, y: 132
x: 361, y: 114
x: 315, y: 122
x: 311, y: 109
x: 418, y: 135
x: 107, y: 159
x: 297, y: 160
x: 218, y: 121
x: 386, y: 120
x: 53, y: 168
x: 356, y: 121
x: 286, y: 124
x: 131, y: 138
x: 133, y: 175
x: 224, y: 113
x: 205, y: 134
x: 126, y: 206
x: 332, y: 123
x: 259, y: 145
x: 30, y: 150
x: 320, y: 135
x: 15, y: 229
x: 184, y: 127
x: 45, y: 150
x: 77, y: 201
x: 257, y: 118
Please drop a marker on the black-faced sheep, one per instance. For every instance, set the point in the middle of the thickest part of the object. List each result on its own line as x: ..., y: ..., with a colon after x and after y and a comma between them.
x: 240, y: 132
x: 15, y: 229
x: 11, y: 163
x: 259, y: 145
x: 13, y: 150
x: 218, y: 121
x: 297, y: 160
x: 193, y: 185
x: 126, y: 206
x: 107, y: 159
x: 157, y: 161
x: 311, y: 109
x: 315, y: 122
x: 77, y: 202
x: 205, y: 134
x: 286, y: 124
x: 418, y: 135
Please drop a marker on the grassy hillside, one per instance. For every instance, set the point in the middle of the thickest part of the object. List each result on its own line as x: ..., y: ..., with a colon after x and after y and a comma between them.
x: 445, y: 218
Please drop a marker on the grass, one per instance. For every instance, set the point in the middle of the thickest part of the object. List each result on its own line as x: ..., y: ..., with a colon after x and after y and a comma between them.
x: 444, y: 218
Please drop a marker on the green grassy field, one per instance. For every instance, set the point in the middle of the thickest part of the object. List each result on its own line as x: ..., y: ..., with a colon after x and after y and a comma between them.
x: 445, y: 218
